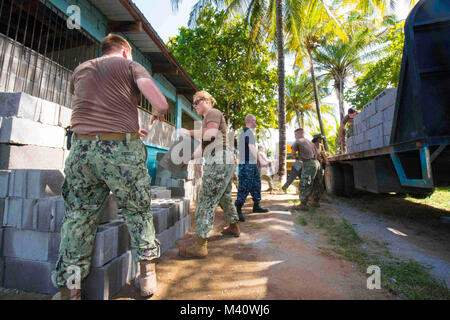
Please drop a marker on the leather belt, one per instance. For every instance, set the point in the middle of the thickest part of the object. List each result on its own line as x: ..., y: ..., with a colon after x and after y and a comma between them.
x: 107, y: 136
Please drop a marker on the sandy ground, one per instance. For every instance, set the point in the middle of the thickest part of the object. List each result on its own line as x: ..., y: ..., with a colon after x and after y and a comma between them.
x: 274, y: 258
x: 277, y: 258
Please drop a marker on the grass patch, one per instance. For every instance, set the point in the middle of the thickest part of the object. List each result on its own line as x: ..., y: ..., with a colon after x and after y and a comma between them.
x: 412, y: 280
x: 409, y: 280
x: 439, y: 199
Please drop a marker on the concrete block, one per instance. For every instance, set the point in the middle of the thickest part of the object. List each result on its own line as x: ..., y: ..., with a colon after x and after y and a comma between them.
x: 177, y: 191
x: 179, y: 229
x: 31, y: 245
x: 388, y: 113
x: 172, y: 231
x: 65, y: 115
x: 24, y: 131
x: 30, y: 157
x: 163, y: 239
x: 4, y: 183
x: 104, y: 282
x: 377, y: 142
x: 49, y: 112
x: 179, y: 153
x: 2, y: 211
x: 18, y: 184
x: 375, y: 133
x: 161, y: 194
x: 109, y: 210
x: 2, y: 270
x: 33, y: 276
x: 387, y: 127
x: 386, y: 98
x: 187, y: 224
x: 160, y: 133
x: 123, y: 236
x: 44, y: 183
x: 160, y: 220
x: 386, y: 140
x: 187, y: 204
x: 376, y: 119
x: 370, y: 109
x: 15, y: 210
x: 105, y: 247
x: 21, y: 105
x: 1, y: 243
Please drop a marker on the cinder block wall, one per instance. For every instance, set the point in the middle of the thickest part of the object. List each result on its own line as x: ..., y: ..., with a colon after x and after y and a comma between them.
x: 32, y: 155
x: 373, y: 125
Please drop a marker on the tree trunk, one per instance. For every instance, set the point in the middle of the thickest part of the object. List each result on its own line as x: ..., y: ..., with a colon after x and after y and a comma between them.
x: 281, y: 92
x: 299, y: 116
x: 316, y: 98
x: 340, y: 96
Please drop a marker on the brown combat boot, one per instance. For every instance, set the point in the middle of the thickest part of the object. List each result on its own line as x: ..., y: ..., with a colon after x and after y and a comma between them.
x: 232, y: 230
x: 67, y: 294
x: 199, y: 249
x: 147, y: 278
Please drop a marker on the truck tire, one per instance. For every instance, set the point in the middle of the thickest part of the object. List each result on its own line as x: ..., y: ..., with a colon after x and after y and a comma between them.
x: 349, y: 182
x: 420, y: 194
x: 334, y: 179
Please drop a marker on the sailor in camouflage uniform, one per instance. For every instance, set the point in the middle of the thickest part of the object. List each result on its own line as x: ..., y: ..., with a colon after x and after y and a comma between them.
x: 217, y: 177
x: 310, y: 177
x: 107, y: 155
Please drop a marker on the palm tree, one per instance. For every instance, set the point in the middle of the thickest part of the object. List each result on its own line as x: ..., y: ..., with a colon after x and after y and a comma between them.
x: 267, y: 19
x: 317, y: 22
x: 300, y: 97
x: 340, y: 59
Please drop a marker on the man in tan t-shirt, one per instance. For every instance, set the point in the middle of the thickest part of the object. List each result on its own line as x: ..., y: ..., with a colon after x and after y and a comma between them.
x: 107, y: 155
x: 309, y: 179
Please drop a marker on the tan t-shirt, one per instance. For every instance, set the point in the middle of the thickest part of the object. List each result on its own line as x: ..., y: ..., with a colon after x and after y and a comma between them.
x: 306, y: 149
x: 106, y: 95
x: 214, y: 115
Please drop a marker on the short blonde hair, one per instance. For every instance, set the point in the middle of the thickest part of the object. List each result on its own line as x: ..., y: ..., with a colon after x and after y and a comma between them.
x: 206, y: 96
x: 112, y: 43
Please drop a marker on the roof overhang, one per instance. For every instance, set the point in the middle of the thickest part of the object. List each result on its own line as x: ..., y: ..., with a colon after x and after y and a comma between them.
x: 124, y: 16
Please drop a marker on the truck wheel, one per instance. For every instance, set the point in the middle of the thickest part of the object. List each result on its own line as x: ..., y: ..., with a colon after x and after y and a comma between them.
x: 334, y: 179
x: 349, y: 183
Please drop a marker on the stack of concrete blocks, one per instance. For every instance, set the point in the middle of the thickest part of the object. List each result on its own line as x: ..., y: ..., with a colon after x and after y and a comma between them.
x: 182, y: 181
x: 32, y: 155
x: 28, y: 71
x: 373, y: 125
x: 159, y: 133
x: 171, y: 220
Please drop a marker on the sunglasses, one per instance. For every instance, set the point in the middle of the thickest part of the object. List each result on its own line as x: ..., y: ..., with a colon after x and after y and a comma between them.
x: 196, y: 102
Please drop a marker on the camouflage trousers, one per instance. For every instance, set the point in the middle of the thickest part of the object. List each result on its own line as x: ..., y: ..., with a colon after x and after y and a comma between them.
x: 311, y: 181
x: 215, y: 190
x: 92, y: 170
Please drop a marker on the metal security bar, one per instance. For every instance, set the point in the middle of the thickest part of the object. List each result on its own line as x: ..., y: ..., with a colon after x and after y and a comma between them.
x: 38, y: 51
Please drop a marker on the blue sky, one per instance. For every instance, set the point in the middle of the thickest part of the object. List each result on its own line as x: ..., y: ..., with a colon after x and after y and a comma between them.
x: 160, y: 15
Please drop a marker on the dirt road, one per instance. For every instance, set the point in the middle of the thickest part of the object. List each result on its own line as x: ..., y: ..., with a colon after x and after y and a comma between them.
x: 275, y: 258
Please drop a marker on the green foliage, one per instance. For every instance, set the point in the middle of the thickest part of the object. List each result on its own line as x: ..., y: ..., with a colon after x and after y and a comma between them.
x: 381, y: 74
x: 221, y: 59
